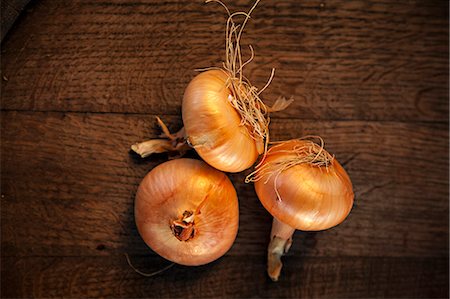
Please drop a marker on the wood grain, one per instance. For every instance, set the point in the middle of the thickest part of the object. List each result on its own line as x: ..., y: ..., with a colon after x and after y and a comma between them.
x: 82, y: 80
x: 10, y: 11
x: 359, y: 60
x: 237, y: 277
x: 78, y: 180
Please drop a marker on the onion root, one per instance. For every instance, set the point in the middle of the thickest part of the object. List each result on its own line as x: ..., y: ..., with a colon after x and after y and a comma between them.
x: 308, y: 152
x: 147, y: 274
x: 246, y: 97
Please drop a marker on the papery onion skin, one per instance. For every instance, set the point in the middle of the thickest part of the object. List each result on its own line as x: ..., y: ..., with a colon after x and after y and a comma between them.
x: 182, y: 185
x: 214, y: 127
x: 312, y: 198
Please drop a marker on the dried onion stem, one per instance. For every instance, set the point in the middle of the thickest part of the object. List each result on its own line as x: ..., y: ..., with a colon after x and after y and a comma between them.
x: 173, y: 143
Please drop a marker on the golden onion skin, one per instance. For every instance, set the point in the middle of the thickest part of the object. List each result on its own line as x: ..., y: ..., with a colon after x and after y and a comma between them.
x: 214, y: 127
x: 181, y: 185
x: 312, y: 198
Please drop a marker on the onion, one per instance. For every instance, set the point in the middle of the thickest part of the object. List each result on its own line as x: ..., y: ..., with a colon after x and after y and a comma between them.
x: 187, y: 212
x: 214, y: 127
x: 303, y: 187
x: 224, y: 118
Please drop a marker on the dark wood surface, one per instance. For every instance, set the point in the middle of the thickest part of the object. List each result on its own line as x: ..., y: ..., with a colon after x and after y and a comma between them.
x: 83, y: 80
x: 10, y: 10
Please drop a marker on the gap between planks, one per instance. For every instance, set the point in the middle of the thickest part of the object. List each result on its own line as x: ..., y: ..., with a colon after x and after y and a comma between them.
x: 405, y: 121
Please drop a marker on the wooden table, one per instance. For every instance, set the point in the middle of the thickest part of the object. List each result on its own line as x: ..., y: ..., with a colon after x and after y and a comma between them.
x: 84, y: 80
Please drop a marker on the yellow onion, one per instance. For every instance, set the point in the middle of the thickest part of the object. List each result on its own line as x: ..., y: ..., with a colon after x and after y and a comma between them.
x: 304, y: 188
x: 187, y: 212
x: 224, y: 118
x: 214, y: 127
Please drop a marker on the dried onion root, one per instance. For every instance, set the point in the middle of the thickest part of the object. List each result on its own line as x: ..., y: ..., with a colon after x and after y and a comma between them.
x: 307, y: 152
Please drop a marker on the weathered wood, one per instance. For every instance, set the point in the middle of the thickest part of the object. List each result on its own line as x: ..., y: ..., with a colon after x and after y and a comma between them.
x: 69, y: 180
x: 82, y: 80
x: 384, y: 60
x: 10, y: 11
x: 237, y: 277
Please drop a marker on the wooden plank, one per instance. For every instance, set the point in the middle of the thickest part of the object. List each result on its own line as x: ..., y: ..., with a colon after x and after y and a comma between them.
x: 237, y: 277
x: 358, y: 60
x: 10, y: 11
x: 68, y: 184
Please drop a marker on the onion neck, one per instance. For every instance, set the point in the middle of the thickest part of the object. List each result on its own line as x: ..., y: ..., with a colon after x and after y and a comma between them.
x: 280, y: 242
x: 183, y: 228
x: 173, y: 143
